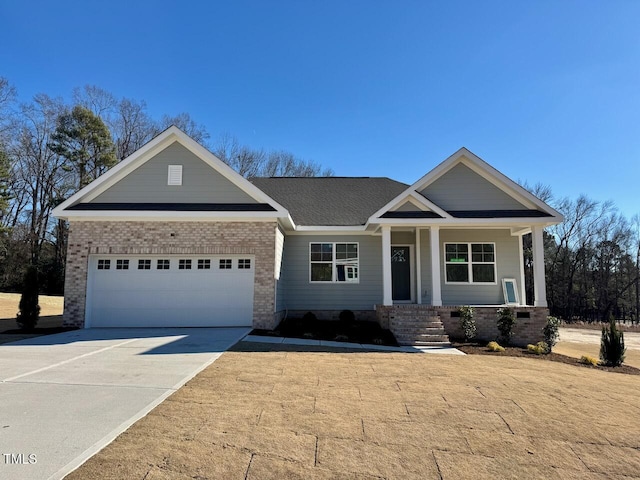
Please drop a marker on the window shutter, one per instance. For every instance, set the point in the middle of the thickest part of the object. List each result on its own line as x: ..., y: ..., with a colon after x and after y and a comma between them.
x: 175, y: 175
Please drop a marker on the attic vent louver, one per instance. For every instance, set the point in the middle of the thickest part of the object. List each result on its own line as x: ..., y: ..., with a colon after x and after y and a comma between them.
x: 175, y: 175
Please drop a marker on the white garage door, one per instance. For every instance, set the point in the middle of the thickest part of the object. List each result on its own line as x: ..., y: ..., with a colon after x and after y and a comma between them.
x: 170, y: 291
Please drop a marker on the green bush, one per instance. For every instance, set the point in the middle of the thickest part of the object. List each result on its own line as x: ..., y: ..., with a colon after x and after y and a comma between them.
x: 494, y: 347
x: 506, y: 321
x: 347, y: 316
x: 612, y: 349
x: 29, y: 313
x: 309, y: 317
x: 550, y: 332
x: 467, y: 323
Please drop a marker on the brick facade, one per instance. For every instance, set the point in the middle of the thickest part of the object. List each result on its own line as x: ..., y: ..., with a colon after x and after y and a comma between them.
x: 187, y: 238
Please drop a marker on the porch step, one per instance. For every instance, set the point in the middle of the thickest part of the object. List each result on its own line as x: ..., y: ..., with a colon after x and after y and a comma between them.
x: 418, y: 339
x: 431, y: 344
x: 419, y: 330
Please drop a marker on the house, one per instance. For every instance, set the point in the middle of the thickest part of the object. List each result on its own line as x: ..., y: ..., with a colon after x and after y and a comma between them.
x: 172, y: 236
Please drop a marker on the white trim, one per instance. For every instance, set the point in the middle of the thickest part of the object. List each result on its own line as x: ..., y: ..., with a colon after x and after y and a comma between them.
x: 418, y: 269
x: 539, y: 281
x: 330, y: 228
x: 387, y: 293
x: 504, y: 222
x: 515, y: 291
x: 434, y: 246
x: 334, y: 263
x: 408, y: 195
x: 147, y: 152
x: 92, y: 216
x: 470, y: 263
x: 412, y: 287
x: 174, y: 175
x: 523, y: 290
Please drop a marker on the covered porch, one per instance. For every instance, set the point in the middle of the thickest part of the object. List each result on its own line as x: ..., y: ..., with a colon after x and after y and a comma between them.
x: 430, y: 271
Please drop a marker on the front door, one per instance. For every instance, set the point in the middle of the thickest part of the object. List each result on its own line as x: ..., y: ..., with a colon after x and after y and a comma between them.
x: 401, y: 274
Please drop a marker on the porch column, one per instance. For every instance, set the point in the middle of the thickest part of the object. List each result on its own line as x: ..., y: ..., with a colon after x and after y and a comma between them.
x: 523, y: 290
x: 418, y: 269
x: 434, y: 239
x: 539, y: 282
x: 387, y: 298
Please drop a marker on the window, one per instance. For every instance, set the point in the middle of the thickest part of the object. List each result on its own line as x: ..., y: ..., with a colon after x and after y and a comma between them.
x: 122, y: 264
x: 174, y: 176
x: 470, y: 262
x: 204, y: 264
x: 334, y: 262
x: 144, y: 264
x: 104, y: 264
x: 184, y: 264
x: 225, y: 264
x: 163, y: 265
x: 244, y: 263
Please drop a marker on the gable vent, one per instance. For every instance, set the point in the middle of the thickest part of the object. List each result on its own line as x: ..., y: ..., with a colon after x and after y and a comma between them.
x: 175, y: 175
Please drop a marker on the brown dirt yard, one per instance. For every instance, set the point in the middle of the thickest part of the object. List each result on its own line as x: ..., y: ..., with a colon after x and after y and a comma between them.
x: 279, y: 412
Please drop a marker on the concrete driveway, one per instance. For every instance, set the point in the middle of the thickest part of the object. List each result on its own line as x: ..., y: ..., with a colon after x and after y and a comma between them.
x: 64, y: 397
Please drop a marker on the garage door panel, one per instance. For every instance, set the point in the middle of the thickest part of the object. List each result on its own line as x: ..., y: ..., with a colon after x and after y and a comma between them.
x: 175, y: 297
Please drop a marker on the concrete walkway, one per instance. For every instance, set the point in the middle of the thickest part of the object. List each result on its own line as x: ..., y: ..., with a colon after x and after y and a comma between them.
x: 358, y: 346
x: 66, y: 396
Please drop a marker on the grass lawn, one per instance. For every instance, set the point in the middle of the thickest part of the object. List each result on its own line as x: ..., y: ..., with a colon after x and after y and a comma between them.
x: 277, y: 411
x: 50, y: 316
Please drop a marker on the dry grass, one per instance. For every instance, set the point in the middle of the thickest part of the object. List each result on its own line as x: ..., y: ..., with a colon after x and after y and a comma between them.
x: 262, y: 414
x: 576, y: 350
x: 50, y: 314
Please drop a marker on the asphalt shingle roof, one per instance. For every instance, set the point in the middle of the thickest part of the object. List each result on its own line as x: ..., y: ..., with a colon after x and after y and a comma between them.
x: 339, y: 201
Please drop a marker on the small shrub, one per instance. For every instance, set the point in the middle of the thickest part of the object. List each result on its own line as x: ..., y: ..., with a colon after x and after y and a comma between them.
x: 587, y: 360
x: 550, y: 332
x: 539, y: 348
x: 506, y: 321
x: 29, y: 313
x: 309, y: 317
x: 467, y: 323
x: 308, y: 335
x: 378, y: 341
x: 347, y: 316
x: 341, y: 338
x: 612, y: 349
x: 495, y: 347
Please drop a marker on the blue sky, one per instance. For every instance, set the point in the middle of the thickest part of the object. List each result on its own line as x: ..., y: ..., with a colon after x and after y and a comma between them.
x: 545, y: 91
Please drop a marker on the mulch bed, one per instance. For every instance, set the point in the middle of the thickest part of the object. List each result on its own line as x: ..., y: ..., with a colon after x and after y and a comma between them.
x: 481, y: 349
x: 331, y: 330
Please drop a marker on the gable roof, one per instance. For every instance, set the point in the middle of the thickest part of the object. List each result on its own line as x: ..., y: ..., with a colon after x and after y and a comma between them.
x: 533, y: 207
x: 77, y: 204
x: 335, y: 201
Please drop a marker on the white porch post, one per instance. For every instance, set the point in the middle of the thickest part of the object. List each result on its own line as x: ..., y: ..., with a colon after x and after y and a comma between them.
x: 523, y: 290
x: 418, y: 269
x: 434, y: 239
x: 387, y: 298
x: 539, y: 282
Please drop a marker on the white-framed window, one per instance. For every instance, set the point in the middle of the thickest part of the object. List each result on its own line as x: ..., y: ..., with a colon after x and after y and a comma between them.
x: 144, y: 264
x: 184, y: 264
x: 244, y: 264
x: 225, y: 264
x: 470, y: 263
x: 204, y: 264
x: 174, y: 175
x: 122, y: 264
x: 334, y: 262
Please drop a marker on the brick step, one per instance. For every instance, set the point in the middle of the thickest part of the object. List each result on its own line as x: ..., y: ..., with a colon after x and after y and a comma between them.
x: 418, y: 330
x: 431, y: 344
x: 418, y: 321
x: 421, y: 338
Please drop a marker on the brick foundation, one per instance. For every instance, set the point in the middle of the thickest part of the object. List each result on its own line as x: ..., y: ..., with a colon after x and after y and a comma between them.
x: 525, y: 331
x: 187, y: 238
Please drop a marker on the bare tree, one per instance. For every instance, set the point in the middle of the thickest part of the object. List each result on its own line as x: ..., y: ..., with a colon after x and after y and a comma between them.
x: 187, y: 124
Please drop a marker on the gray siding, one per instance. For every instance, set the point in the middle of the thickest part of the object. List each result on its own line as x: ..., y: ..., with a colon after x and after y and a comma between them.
x: 463, y: 189
x: 403, y: 238
x: 200, y: 182
x: 300, y: 294
x: 507, y: 266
